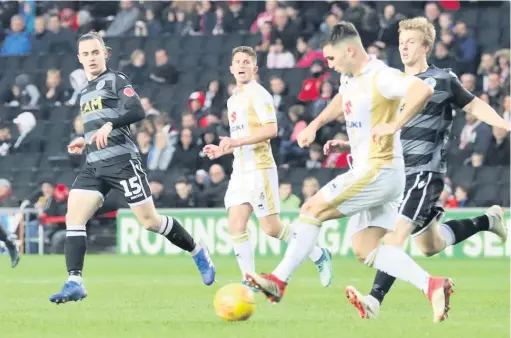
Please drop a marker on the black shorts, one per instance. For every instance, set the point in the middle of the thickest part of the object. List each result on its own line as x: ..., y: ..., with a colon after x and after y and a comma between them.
x: 420, y: 203
x: 127, y: 177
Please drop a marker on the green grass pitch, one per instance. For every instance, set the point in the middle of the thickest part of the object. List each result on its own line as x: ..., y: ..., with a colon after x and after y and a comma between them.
x: 164, y: 297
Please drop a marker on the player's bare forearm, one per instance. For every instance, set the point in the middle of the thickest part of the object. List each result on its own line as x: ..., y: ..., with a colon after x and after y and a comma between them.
x: 484, y: 112
x: 415, y: 99
x: 330, y: 113
x: 264, y: 133
x: 227, y: 151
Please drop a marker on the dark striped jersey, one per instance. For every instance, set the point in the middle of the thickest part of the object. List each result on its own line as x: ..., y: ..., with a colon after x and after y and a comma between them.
x: 106, y: 99
x: 425, y: 137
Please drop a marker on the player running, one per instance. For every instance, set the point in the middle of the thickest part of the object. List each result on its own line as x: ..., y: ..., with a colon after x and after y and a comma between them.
x: 254, y: 184
x: 109, y: 105
x: 10, y: 245
x: 424, y: 139
x: 369, y: 97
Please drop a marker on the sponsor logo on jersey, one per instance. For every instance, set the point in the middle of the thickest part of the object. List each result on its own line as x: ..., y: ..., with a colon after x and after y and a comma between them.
x: 353, y: 124
x: 238, y: 127
x: 92, y: 106
x: 100, y: 85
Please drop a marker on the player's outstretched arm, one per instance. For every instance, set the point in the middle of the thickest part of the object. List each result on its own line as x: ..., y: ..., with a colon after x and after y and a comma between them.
x: 484, y: 112
x: 473, y: 105
x: 416, y: 97
x: 264, y: 133
x: 331, y: 112
x: 213, y: 151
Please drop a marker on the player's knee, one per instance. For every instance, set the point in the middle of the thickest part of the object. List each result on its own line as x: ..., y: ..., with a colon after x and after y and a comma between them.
x: 361, y: 253
x: 428, y: 250
x: 312, y: 209
x: 270, y: 230
x: 236, y: 228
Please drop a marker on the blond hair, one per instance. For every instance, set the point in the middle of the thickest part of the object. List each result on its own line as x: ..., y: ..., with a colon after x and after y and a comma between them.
x: 422, y: 25
x: 247, y: 50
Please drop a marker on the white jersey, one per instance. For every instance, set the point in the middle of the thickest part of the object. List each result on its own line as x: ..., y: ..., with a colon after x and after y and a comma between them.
x: 370, y: 98
x: 249, y: 108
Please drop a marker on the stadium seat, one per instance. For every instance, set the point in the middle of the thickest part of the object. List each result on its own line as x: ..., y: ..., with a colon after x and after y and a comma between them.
x: 485, y: 194
x: 464, y: 176
x: 505, y: 174
x: 487, y: 174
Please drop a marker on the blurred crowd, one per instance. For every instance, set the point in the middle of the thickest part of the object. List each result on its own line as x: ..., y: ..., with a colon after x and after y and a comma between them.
x: 290, y: 35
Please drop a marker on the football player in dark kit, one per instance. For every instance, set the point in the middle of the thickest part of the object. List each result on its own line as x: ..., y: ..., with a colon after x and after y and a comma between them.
x: 424, y: 139
x: 108, y: 105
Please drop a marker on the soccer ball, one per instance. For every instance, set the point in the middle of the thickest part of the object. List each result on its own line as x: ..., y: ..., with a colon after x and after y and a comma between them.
x: 234, y: 302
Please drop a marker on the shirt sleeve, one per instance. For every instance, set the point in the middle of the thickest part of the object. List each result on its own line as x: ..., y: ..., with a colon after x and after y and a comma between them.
x: 130, y: 107
x: 263, y: 106
x: 392, y: 83
x: 461, y: 96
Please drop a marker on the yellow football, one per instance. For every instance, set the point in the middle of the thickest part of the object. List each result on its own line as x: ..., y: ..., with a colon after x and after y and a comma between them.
x: 234, y: 302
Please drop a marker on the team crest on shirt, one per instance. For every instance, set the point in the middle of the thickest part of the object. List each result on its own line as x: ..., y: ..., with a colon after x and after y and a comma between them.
x: 100, y: 85
x: 431, y: 82
x: 233, y: 117
x: 128, y: 91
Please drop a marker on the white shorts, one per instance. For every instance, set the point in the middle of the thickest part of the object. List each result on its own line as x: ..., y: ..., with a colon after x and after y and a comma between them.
x: 371, y: 195
x: 259, y: 188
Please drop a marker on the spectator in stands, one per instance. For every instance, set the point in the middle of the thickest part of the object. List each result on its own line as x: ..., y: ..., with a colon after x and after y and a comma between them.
x: 502, y: 57
x: 17, y: 41
x: 289, y: 149
x: 214, y: 101
x: 22, y: 93
x: 389, y: 20
x: 196, y: 105
x: 505, y: 109
x: 315, y: 157
x: 7, y: 10
x: 317, y: 41
x: 447, y: 38
x: 306, y: 54
x: 475, y: 138
x: 495, y: 91
x: 77, y: 79
x: 311, y: 85
x: 265, y: 34
x: 202, y: 180
x: 164, y: 72
x: 288, y: 200
x: 125, y: 19
x: 461, y: 195
x: 188, y: 120
x: 160, y: 197
x: 220, y: 21
x: 187, y: 153
x: 59, y: 39
x: 38, y: 39
x: 301, y: 25
x: 309, y: 188
x: 326, y: 95
x: 364, y: 19
x: 441, y: 57
x: 26, y: 142
x: 283, y: 30
x: 5, y: 141
x: 236, y: 18
x: 468, y: 81
x: 432, y: 13
x: 169, y: 23
x: 144, y: 145
x: 137, y: 70
x: 486, y: 66
x: 55, y: 92
x: 445, y: 22
x: 207, y: 17
x: 467, y: 46
x: 185, y: 196
x: 148, y: 107
x: 278, y: 57
x: 153, y: 25
x: 338, y: 158
x: 161, y: 153
x: 447, y: 199
x: 377, y: 52
x: 498, y: 153
x: 28, y: 13
x: 7, y: 199
x: 264, y: 17
x: 215, y: 192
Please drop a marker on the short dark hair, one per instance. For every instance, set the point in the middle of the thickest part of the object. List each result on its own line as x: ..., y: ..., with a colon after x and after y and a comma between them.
x: 183, y: 180
x: 341, y: 31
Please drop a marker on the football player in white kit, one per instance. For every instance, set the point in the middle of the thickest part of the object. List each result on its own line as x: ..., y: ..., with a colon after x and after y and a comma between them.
x: 254, y: 184
x: 369, y: 96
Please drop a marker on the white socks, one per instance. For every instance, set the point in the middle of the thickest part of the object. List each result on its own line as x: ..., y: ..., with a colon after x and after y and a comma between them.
x: 244, y: 253
x: 286, y: 234
x: 166, y: 225
x: 395, y: 262
x: 447, y: 235
x: 77, y: 279
x: 299, y: 248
